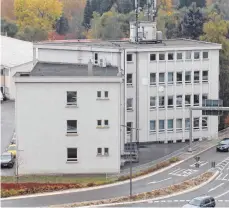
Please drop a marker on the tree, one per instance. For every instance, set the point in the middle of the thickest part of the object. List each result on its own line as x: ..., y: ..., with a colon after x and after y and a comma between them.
x: 215, y: 30
x: 87, y: 15
x: 8, y: 27
x: 37, y: 13
x: 187, y: 3
x: 7, y: 9
x: 62, y: 26
x: 32, y: 34
x: 125, y: 6
x: 192, y: 25
x: 166, y: 5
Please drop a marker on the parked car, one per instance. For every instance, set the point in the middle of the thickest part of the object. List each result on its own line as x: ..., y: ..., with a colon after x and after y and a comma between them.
x: 223, y: 145
x: 201, y: 201
x: 12, y: 149
x: 7, y: 160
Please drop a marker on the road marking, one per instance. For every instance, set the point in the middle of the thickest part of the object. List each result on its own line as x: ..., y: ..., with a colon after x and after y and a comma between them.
x: 218, y: 177
x: 183, y: 172
x: 222, y: 194
x: 177, y: 201
x: 225, y: 177
x: 216, y: 187
x: 160, y: 181
x: 201, y: 163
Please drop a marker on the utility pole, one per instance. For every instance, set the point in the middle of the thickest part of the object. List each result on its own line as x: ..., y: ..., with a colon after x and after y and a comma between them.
x: 131, y: 162
x: 136, y: 14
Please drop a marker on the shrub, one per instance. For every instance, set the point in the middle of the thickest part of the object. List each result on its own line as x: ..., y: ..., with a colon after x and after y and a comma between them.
x: 173, y: 159
x: 91, y: 184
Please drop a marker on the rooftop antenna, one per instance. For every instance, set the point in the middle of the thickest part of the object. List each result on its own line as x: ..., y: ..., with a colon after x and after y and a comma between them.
x: 153, y: 10
x: 136, y: 24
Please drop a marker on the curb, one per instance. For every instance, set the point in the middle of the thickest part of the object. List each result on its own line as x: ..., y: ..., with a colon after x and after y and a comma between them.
x: 107, y: 185
x: 158, y: 198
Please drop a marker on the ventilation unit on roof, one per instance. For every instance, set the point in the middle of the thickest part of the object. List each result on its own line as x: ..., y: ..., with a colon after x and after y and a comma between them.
x: 102, y: 62
x: 24, y: 75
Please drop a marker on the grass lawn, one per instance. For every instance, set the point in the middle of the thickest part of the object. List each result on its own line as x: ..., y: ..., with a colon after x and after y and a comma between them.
x: 55, y: 179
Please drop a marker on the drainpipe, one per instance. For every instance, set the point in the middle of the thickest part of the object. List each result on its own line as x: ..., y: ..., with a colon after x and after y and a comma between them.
x: 137, y: 101
x: 124, y: 96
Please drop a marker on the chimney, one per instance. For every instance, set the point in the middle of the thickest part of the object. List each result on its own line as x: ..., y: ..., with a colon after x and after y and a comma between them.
x: 90, y: 68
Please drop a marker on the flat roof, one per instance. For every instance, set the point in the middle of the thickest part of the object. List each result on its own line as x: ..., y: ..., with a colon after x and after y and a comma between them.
x: 67, y: 69
x: 179, y: 43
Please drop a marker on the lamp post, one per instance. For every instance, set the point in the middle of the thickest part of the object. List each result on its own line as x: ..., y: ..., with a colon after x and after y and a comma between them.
x: 131, y: 146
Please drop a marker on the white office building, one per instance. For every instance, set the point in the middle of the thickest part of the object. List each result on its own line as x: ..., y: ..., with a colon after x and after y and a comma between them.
x: 161, y: 82
x: 68, y: 119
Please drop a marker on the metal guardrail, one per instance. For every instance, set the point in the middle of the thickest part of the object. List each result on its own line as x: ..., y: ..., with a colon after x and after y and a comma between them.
x: 146, y: 166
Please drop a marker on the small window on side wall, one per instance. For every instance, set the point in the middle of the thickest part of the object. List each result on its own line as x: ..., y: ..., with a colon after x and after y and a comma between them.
x: 170, y: 56
x: 205, y: 55
x: 161, y: 57
x: 129, y: 57
x: 153, y: 57
x: 179, y: 56
x: 72, y: 154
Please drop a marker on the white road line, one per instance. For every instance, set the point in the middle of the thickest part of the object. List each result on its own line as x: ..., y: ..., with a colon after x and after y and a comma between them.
x: 225, y: 177
x: 216, y: 187
x: 222, y: 194
x: 175, y: 171
x: 160, y: 181
x: 218, y: 177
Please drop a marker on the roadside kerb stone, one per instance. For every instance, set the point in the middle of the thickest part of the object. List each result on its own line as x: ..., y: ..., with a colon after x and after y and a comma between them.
x: 172, y: 188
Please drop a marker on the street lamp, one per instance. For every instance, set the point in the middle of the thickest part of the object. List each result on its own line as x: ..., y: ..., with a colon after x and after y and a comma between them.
x: 131, y: 145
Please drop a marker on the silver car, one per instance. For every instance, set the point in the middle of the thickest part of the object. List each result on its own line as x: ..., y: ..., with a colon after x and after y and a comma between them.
x: 201, y: 201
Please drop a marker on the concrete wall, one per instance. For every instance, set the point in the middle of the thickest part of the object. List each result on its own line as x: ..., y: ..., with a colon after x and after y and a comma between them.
x: 41, y: 116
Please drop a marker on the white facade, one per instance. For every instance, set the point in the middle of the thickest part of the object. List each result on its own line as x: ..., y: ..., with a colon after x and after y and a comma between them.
x: 186, y: 59
x: 42, y: 115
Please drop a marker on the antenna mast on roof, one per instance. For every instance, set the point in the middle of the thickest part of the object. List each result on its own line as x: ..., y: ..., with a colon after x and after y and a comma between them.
x: 136, y: 23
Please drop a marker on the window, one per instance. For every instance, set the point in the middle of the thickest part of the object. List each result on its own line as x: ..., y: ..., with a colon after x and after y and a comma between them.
x: 106, y: 151
x: 99, y: 151
x: 129, y: 126
x: 161, y: 125
x: 170, y: 101
x: 161, y: 101
x: 204, y: 122
x: 179, y: 100
x: 152, y: 57
x: 129, y: 103
x: 187, y: 100
x: 161, y: 78
x: 152, y: 78
x: 179, y: 56
x: 152, y: 126
x: 170, y: 78
x: 179, y: 124
x: 72, y: 154
x: 129, y: 79
x: 98, y: 94
x: 170, y: 125
x: 152, y: 102
x: 187, y: 123
x: 170, y: 56
x: 106, y: 94
x: 99, y: 123
x: 196, y: 77
x: 106, y: 123
x: 96, y: 58
x: 161, y: 57
x: 204, y: 97
x: 205, y: 76
x: 196, y: 123
x: 188, y: 55
x: 179, y: 77
x: 129, y: 57
x: 71, y: 126
x: 196, y: 55
x: 205, y: 55
x: 71, y: 98
x: 196, y: 100
x: 188, y: 77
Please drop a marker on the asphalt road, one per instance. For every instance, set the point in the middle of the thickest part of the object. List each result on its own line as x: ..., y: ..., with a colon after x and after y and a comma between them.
x: 218, y: 188
x: 174, y: 175
x: 7, y: 129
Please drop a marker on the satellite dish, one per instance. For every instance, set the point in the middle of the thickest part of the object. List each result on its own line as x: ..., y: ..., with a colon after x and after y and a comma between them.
x: 161, y: 89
